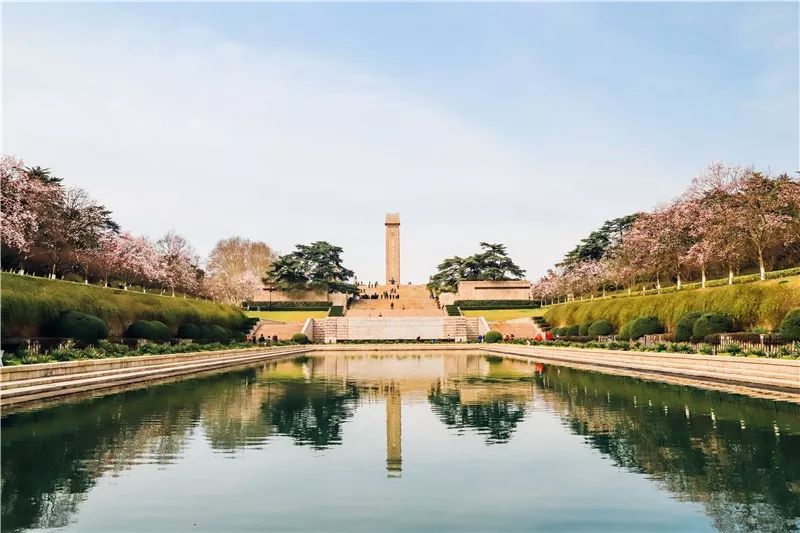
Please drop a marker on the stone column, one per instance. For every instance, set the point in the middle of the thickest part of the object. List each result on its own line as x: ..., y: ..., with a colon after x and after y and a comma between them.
x: 392, y: 248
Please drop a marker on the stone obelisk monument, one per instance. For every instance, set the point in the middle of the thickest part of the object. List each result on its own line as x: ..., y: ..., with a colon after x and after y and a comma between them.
x: 392, y: 248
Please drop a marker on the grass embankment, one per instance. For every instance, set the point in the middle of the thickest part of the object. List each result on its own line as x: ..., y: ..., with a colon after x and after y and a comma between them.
x: 760, y: 304
x: 286, y: 316
x: 30, y: 304
x: 496, y: 315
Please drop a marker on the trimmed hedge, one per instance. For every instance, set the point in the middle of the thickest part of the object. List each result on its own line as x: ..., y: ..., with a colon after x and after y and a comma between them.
x: 152, y: 330
x: 79, y: 326
x: 708, y: 324
x: 288, y: 306
x: 685, y: 326
x: 481, y: 305
x: 761, y: 303
x: 583, y: 329
x: 452, y: 310
x: 31, y: 304
x: 336, y: 310
x: 600, y: 328
x: 790, y: 326
x: 576, y: 338
x: 493, y: 336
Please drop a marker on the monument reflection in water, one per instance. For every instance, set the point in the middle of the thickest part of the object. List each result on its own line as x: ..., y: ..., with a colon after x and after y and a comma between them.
x: 729, y: 462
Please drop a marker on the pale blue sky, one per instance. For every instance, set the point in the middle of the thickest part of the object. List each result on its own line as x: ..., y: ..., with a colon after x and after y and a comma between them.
x: 527, y: 124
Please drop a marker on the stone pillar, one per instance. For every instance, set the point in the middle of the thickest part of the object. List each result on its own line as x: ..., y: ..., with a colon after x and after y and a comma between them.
x: 392, y: 248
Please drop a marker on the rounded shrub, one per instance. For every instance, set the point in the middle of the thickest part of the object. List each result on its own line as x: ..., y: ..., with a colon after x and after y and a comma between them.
x: 151, y: 330
x: 204, y: 333
x: 583, y: 329
x: 685, y: 326
x: 571, y: 331
x: 790, y: 326
x: 600, y: 327
x: 80, y: 326
x: 218, y: 334
x: 645, y: 325
x: 625, y: 332
x: 189, y: 331
x: 300, y: 338
x: 708, y: 324
x: 493, y: 336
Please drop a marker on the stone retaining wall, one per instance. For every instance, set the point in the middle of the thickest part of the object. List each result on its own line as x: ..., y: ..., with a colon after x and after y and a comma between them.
x: 330, y: 329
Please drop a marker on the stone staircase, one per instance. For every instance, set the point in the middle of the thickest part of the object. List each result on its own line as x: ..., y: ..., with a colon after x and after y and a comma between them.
x: 414, y: 300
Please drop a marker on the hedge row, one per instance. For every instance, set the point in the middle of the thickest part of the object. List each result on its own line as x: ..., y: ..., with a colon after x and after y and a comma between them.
x: 452, y: 310
x: 287, y: 306
x: 759, y: 304
x: 31, y: 305
x: 480, y: 305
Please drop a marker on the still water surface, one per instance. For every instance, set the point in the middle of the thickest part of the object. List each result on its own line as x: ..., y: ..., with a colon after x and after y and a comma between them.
x: 459, y: 442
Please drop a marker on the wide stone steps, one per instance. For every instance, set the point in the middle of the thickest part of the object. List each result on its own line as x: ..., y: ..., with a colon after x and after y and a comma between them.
x: 15, y: 388
x: 776, y: 374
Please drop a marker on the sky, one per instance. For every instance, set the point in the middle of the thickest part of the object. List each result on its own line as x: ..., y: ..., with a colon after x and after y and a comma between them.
x: 525, y: 124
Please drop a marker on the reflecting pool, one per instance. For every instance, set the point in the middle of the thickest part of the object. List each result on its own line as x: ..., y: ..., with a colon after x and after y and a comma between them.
x: 457, y: 442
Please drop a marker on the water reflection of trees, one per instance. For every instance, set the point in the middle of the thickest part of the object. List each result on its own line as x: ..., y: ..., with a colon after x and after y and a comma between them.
x: 52, y: 457
x: 311, y: 413
x: 492, y: 405
x: 495, y: 418
x: 740, y: 457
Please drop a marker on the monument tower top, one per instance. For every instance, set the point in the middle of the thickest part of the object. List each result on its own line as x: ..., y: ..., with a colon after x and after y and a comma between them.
x: 392, y: 248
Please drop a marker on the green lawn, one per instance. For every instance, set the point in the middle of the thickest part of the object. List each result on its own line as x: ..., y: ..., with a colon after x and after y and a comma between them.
x: 504, y: 314
x: 287, y: 316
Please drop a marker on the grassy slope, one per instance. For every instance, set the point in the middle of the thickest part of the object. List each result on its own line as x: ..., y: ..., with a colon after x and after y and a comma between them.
x: 763, y: 303
x: 504, y: 314
x: 287, y: 316
x: 29, y: 303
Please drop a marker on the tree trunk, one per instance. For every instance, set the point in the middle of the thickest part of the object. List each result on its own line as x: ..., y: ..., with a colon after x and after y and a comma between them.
x: 658, y: 284
x: 730, y: 274
x: 703, y: 277
x: 761, y: 265
x: 678, y: 282
x: 173, y: 292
